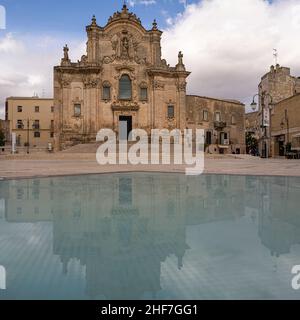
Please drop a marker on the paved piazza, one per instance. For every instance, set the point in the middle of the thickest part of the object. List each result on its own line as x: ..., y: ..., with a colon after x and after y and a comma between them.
x: 59, y: 164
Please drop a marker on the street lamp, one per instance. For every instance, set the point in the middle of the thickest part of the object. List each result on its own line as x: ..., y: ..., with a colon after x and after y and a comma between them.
x: 286, y: 121
x: 253, y: 105
x: 266, y: 118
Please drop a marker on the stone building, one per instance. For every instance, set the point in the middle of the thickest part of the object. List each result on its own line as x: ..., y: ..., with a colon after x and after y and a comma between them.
x: 32, y: 120
x: 222, y: 120
x: 124, y: 80
x: 279, y: 83
x: 283, y: 89
x: 285, y: 125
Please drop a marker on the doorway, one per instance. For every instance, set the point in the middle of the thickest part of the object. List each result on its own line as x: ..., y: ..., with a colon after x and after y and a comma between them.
x: 125, y: 127
x: 281, y: 145
x: 208, y: 138
x: 224, y: 138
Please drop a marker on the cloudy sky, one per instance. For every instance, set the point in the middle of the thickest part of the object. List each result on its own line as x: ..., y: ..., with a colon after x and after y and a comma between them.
x: 227, y: 44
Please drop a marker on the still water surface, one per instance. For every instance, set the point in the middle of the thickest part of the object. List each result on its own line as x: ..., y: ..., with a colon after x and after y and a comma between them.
x: 150, y: 236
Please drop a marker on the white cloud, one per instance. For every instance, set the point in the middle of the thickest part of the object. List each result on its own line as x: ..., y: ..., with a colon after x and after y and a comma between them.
x: 132, y: 3
x: 228, y: 44
x: 26, y: 64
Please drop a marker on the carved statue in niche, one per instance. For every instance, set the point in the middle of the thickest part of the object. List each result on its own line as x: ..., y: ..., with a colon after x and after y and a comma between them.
x: 124, y: 46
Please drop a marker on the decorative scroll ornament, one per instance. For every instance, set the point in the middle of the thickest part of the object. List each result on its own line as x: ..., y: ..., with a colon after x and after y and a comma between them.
x: 182, y: 86
x: 158, y: 85
x: 124, y: 14
x: 91, y: 81
x: 125, y: 106
x: 65, y: 80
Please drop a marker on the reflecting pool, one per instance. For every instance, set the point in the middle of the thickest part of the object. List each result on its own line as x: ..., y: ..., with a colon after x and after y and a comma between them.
x: 149, y: 236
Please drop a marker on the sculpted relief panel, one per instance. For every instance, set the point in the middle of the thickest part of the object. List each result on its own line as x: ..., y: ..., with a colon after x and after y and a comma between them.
x: 125, y: 46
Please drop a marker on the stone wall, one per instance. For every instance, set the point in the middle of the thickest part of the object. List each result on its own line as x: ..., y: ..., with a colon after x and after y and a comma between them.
x: 231, y: 122
x: 285, y: 123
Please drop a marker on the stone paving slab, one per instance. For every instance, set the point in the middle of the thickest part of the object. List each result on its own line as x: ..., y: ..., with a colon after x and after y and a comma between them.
x: 58, y: 165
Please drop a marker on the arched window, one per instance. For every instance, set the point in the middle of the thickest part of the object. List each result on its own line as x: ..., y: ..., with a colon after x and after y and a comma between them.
x: 125, y: 90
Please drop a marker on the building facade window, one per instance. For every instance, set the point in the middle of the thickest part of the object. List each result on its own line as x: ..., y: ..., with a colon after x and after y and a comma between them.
x: 19, y: 141
x: 20, y: 124
x: 36, y: 125
x: 233, y: 120
x: 218, y: 116
x: 143, y: 94
x: 125, y: 89
x: 205, y: 115
x: 106, y: 91
x: 52, y: 109
x: 51, y: 134
x: 37, y: 134
x: 77, y: 110
x: 37, y: 109
x: 171, y: 112
x: 20, y: 109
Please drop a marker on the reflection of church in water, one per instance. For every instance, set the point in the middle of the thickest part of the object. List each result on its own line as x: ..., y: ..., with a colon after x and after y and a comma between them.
x: 122, y: 228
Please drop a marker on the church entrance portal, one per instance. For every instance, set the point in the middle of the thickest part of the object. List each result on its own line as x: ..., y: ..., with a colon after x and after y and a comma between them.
x: 125, y: 127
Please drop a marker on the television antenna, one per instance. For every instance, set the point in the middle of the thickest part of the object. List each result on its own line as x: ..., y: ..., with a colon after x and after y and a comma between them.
x: 275, y: 55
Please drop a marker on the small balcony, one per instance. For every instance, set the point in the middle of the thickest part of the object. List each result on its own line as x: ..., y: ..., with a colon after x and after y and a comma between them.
x: 219, y: 125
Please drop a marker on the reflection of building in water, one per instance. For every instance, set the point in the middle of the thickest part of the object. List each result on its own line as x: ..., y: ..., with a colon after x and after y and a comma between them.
x: 28, y: 200
x: 274, y: 200
x: 123, y: 227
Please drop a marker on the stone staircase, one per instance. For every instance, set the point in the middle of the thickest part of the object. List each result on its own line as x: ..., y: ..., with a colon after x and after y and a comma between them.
x: 87, y: 148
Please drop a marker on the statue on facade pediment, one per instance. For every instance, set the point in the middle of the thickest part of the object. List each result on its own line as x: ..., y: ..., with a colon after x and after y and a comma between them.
x: 83, y: 61
x: 65, y: 61
x: 66, y: 52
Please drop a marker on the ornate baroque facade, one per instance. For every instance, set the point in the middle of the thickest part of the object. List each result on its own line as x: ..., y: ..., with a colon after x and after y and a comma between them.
x: 88, y: 96
x: 123, y: 78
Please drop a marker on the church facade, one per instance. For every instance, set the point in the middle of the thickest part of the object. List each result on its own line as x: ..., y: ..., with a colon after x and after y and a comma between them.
x: 121, y: 80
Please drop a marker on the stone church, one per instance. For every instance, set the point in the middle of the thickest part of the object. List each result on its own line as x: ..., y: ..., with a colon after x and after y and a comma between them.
x: 123, y: 79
